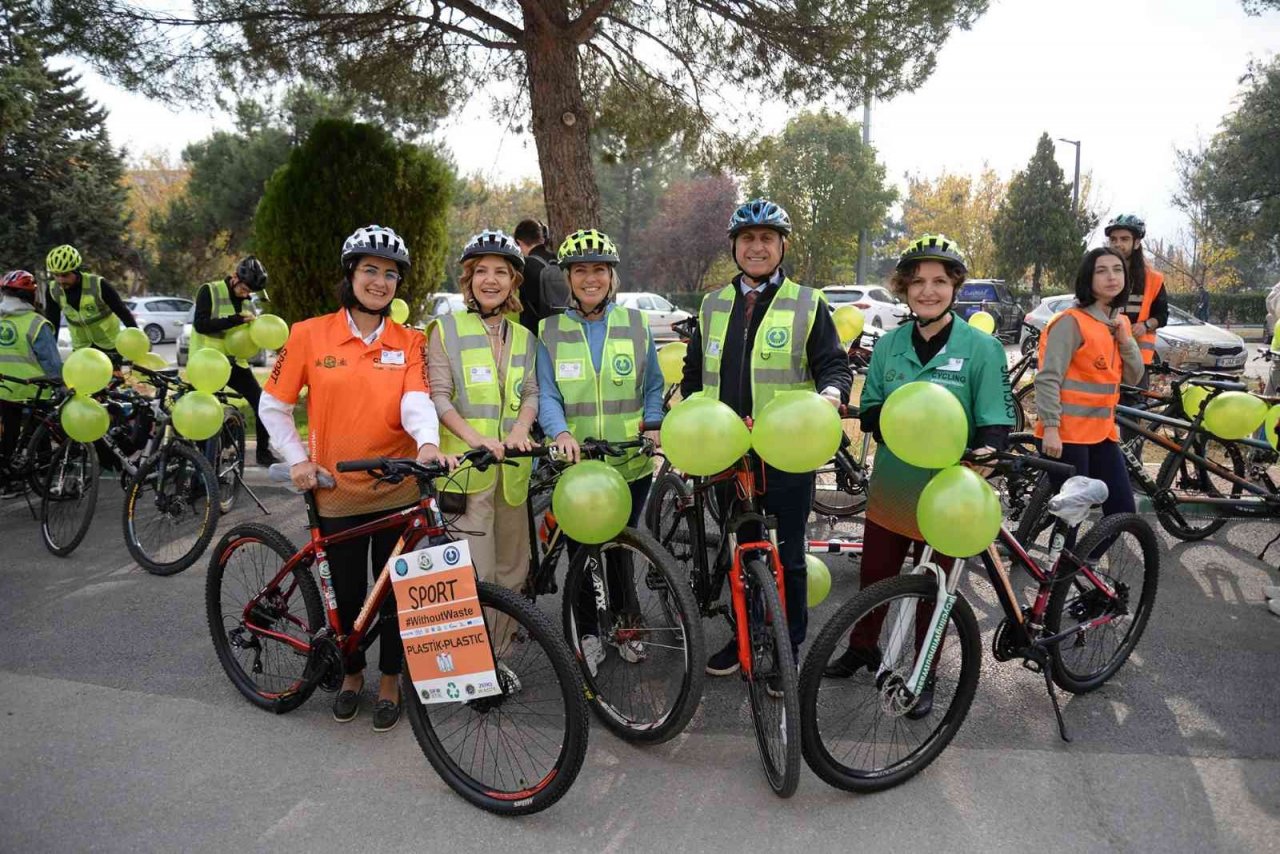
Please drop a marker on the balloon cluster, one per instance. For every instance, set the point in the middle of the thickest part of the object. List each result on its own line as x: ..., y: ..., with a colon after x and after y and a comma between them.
x: 86, y: 372
x: 924, y: 425
x: 1231, y: 415
x: 198, y: 414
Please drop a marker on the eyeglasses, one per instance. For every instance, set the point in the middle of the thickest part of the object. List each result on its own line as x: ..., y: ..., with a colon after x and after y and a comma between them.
x: 391, y: 277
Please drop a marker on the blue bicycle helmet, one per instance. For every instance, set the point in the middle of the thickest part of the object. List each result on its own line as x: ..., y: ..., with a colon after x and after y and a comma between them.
x: 760, y: 212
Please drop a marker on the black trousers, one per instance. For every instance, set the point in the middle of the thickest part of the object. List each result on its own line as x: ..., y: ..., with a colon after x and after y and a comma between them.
x: 10, y: 425
x: 244, y: 383
x: 1101, y: 461
x: 350, y: 565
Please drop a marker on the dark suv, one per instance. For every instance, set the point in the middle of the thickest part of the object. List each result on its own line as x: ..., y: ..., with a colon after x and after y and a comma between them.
x: 993, y: 297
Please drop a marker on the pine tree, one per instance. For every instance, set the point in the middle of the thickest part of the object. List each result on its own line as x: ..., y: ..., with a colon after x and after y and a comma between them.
x: 1035, y: 227
x: 60, y: 179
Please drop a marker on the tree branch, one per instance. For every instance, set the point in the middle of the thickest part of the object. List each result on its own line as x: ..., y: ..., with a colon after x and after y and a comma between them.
x: 580, y: 28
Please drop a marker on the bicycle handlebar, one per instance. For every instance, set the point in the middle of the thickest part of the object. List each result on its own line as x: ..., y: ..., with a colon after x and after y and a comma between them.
x: 1008, y: 463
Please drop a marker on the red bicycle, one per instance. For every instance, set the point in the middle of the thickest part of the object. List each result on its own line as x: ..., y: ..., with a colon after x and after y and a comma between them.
x: 513, y: 753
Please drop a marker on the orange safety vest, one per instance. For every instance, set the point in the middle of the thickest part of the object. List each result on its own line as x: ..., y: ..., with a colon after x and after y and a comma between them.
x: 1147, y: 342
x: 1091, y: 387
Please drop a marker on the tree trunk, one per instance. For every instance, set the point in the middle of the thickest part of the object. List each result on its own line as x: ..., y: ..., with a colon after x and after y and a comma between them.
x: 561, y: 127
x: 628, y: 264
x: 1035, y: 284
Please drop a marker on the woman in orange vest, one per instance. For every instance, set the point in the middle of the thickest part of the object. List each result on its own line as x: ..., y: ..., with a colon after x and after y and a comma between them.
x: 1086, y: 352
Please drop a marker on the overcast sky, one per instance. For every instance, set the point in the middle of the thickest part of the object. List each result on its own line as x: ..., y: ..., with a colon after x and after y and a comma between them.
x: 1132, y: 79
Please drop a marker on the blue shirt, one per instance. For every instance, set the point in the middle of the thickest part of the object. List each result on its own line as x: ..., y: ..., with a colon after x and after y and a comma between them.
x: 551, y: 402
x: 45, y: 348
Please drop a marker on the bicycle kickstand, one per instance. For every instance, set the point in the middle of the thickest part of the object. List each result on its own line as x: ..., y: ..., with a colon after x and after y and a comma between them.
x: 1057, y: 709
x: 252, y: 494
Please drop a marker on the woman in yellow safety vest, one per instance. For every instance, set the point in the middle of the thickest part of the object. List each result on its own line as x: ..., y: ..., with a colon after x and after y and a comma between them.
x: 598, y: 377
x: 485, y: 388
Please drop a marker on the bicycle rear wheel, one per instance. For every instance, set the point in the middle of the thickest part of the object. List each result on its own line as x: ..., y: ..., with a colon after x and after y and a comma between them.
x: 773, y: 673
x: 1025, y: 416
x: 862, y: 733
x: 266, y: 670
x: 840, y: 487
x: 518, y: 752
x: 1192, y: 480
x: 1128, y: 562
x: 171, y: 510
x: 643, y: 614
x: 68, y: 497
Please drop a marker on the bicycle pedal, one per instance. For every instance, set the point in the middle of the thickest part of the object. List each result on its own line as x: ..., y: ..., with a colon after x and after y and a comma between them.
x: 1033, y: 665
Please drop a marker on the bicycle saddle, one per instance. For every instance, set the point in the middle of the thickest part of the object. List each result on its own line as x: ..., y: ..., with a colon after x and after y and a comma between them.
x: 1077, y: 497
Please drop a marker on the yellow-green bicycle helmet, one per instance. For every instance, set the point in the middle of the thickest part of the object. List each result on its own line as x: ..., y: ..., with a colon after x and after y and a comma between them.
x: 587, y: 246
x: 63, y: 259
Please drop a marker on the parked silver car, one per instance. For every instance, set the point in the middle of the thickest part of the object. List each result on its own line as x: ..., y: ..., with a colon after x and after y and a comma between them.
x: 160, y: 317
x: 660, y: 312
x: 1187, y: 341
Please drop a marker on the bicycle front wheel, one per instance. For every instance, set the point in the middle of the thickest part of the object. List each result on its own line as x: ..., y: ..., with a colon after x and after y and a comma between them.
x: 171, y: 510
x: 632, y: 622
x: 772, y: 684
x: 518, y: 752
x: 865, y: 732
x: 68, y: 497
x: 1123, y: 552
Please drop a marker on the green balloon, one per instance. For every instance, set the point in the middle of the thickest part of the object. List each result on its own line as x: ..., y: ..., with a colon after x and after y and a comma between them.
x: 671, y: 361
x: 239, y: 342
x: 84, y: 419
x: 849, y: 321
x: 591, y: 502
x: 152, y: 362
x: 819, y: 580
x: 798, y: 431
x: 132, y: 343
x: 704, y: 437
x: 269, y: 332
x: 87, y: 370
x: 924, y: 425
x: 1234, y: 414
x: 958, y: 512
x: 197, y: 415
x: 208, y: 370
x: 1193, y: 398
x: 399, y: 310
x: 1271, y: 426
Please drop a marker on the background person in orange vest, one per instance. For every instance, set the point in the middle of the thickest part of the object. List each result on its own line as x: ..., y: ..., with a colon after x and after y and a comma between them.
x: 1086, y: 352
x: 1147, y: 306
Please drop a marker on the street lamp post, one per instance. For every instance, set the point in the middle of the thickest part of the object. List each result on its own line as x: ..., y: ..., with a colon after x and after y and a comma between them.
x: 862, y: 235
x: 1075, y: 187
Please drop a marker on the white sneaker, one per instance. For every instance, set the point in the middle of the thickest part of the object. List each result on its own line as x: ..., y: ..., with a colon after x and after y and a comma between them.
x: 1274, y: 606
x: 1272, y: 592
x: 592, y: 652
x: 508, y: 679
x: 632, y: 651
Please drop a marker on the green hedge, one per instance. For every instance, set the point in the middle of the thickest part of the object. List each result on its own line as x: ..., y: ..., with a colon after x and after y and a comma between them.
x: 1246, y: 309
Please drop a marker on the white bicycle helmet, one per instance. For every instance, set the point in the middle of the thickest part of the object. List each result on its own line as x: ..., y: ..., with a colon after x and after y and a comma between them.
x: 375, y: 240
x: 494, y: 242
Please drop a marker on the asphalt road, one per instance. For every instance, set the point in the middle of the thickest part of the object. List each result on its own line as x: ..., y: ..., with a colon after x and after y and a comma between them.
x: 121, y: 733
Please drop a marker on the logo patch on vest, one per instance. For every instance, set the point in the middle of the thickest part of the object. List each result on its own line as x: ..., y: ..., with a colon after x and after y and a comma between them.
x: 778, y: 337
x: 569, y: 370
x: 8, y: 333
x: 1100, y: 363
x: 479, y: 374
x: 622, y: 365
x: 713, y: 348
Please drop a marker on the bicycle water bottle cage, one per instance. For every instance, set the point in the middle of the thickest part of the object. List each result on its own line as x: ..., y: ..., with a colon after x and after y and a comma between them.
x: 1077, y: 497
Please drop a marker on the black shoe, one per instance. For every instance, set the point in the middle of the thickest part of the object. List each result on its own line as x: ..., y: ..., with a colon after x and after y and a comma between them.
x: 924, y: 705
x: 773, y: 686
x: 724, y: 662
x: 386, y: 714
x: 265, y: 458
x: 346, y: 705
x: 851, y: 661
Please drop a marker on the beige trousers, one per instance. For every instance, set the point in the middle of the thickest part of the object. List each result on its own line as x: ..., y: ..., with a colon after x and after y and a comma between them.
x: 499, y: 546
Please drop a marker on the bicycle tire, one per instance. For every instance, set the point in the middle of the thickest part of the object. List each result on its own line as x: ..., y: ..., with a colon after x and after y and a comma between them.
x: 40, y: 449
x: 847, y: 509
x: 771, y: 654
x: 62, y: 535
x: 1024, y: 411
x: 963, y: 635
x: 1176, y: 467
x: 200, y: 468
x: 661, y: 518
x: 1036, y: 519
x: 228, y: 459
x: 570, y: 695
x: 1110, y: 528
x: 613, y: 695
x: 285, y: 610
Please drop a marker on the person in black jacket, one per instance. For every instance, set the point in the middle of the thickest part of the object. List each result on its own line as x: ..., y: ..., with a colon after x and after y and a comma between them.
x: 538, y: 298
x: 759, y: 231
x: 249, y: 277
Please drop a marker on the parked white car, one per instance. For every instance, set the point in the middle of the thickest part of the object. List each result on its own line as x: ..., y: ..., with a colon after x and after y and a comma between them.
x: 882, y: 309
x: 658, y: 310
x: 160, y: 317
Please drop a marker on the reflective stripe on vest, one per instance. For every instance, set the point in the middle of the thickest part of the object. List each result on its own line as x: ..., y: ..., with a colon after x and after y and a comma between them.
x: 610, y: 404
x: 491, y: 409
x: 779, y: 358
x: 1150, y: 290
x: 220, y: 297
x: 1091, y: 386
x: 18, y: 354
x: 93, y: 324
